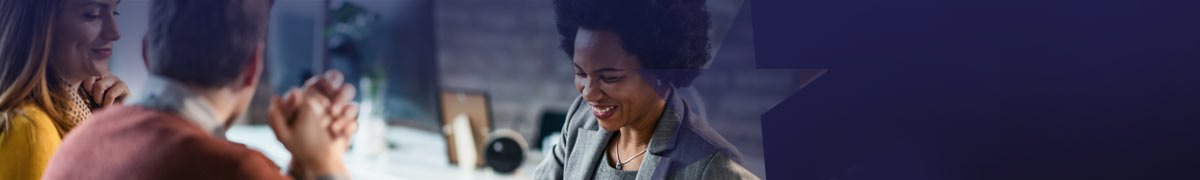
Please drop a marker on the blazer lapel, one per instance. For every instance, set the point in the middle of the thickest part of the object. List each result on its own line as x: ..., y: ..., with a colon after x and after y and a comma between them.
x: 586, y: 154
x: 649, y: 165
x: 663, y: 141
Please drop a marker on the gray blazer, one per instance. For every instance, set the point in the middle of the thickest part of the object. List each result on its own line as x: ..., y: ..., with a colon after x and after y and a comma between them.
x: 683, y: 147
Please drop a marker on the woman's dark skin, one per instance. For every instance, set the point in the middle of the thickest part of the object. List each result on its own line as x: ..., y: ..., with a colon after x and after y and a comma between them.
x: 622, y: 97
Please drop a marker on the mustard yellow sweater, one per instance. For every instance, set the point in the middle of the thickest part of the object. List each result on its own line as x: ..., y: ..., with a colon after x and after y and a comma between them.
x: 27, y: 144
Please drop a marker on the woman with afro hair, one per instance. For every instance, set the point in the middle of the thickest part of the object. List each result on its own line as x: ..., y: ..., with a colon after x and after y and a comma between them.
x: 630, y: 58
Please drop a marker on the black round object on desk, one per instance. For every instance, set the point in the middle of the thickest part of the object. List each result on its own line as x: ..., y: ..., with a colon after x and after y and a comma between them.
x: 505, y: 151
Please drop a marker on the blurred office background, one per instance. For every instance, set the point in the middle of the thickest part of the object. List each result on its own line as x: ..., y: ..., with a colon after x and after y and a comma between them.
x: 506, y: 50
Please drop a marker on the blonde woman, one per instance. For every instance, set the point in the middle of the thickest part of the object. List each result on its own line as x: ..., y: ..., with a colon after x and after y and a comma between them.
x: 53, y: 73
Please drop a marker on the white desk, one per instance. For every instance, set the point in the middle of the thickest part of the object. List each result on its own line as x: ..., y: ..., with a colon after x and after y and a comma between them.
x: 418, y: 155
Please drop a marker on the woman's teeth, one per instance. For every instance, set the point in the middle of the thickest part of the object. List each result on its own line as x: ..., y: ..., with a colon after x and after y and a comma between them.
x: 602, y: 110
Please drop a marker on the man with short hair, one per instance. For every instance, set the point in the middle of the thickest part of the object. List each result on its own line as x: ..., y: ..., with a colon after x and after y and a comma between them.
x: 205, y: 59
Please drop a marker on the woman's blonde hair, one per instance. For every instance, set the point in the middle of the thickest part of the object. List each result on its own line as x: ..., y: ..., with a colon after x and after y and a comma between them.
x: 25, y: 79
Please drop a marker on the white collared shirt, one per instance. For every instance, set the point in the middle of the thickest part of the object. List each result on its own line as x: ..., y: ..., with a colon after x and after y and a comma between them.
x: 161, y: 93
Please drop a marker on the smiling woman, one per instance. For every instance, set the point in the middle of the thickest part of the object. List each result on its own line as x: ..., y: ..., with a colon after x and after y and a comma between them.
x: 53, y: 73
x: 84, y: 32
x: 629, y: 57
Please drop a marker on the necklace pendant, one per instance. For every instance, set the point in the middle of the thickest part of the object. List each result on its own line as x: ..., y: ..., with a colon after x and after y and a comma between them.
x: 619, y: 165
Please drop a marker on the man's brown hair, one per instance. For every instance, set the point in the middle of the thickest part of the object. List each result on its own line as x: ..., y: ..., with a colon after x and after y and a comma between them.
x: 206, y: 43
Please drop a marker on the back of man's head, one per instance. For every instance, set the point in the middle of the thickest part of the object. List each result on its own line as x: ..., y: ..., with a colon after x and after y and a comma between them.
x: 205, y: 43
